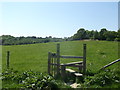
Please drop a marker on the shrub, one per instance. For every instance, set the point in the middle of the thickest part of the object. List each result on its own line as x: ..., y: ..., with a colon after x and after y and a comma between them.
x: 102, y: 79
x: 29, y: 79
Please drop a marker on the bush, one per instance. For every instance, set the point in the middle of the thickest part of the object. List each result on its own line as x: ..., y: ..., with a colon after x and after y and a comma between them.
x: 102, y: 79
x: 29, y: 79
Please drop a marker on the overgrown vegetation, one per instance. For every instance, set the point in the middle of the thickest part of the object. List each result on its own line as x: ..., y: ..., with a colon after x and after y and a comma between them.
x: 29, y: 80
x: 104, y: 79
x: 36, y: 80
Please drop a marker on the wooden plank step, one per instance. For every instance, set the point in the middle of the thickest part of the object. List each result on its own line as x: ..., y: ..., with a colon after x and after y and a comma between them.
x: 70, y: 70
x: 72, y: 63
x: 74, y: 85
x: 78, y: 74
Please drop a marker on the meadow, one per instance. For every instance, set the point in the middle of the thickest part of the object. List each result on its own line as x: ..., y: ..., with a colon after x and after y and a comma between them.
x: 35, y: 56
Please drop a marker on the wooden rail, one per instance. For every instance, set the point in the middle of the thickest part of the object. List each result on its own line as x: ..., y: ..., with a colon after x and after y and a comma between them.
x: 53, y: 64
x: 110, y: 64
x: 73, y: 63
x: 71, y: 56
x: 79, y: 66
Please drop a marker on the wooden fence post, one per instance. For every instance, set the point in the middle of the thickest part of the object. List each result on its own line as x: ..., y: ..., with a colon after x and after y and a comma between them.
x: 63, y: 72
x: 8, y: 59
x: 58, y: 59
x: 49, y: 61
x: 84, y: 59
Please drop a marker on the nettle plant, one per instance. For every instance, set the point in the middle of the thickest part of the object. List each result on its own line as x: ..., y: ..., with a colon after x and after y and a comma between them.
x: 104, y: 78
x: 30, y: 79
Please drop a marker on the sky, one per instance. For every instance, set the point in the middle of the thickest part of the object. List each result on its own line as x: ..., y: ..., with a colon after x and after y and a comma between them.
x: 56, y: 19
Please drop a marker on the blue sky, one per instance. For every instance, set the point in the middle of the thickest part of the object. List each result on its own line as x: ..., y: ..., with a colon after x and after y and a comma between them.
x: 57, y: 19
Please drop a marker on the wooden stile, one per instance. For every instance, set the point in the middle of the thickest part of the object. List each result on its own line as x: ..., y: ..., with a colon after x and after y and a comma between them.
x: 55, y: 68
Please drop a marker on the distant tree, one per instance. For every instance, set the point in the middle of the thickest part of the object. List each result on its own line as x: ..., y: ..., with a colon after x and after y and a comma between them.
x: 96, y: 35
x: 10, y: 40
x: 65, y: 38
x: 33, y: 37
x: 0, y: 40
x: 91, y: 36
x: 118, y: 35
x: 75, y: 37
x: 102, y: 34
x: 81, y: 34
x: 50, y: 37
x: 87, y: 34
x: 110, y: 35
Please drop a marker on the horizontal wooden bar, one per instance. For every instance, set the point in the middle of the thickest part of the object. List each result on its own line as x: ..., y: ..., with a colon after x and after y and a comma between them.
x: 111, y: 63
x: 71, y: 57
x: 53, y: 56
x: 72, y: 63
x: 67, y: 65
x: 53, y: 64
x: 75, y: 66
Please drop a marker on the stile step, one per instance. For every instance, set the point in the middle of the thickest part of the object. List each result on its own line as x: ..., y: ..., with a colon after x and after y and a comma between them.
x: 79, y: 77
x: 70, y: 70
x: 78, y: 74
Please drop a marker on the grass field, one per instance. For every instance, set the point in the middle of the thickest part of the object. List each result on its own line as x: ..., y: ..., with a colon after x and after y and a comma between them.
x: 34, y: 56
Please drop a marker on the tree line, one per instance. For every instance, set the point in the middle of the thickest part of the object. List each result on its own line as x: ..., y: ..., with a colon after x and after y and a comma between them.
x: 11, y: 40
x: 103, y: 34
x: 81, y: 34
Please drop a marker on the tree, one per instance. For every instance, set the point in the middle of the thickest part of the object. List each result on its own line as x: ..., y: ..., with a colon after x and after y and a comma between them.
x: 102, y: 34
x: 91, y: 36
x: 118, y: 35
x: 96, y: 34
x: 80, y: 35
x: 110, y: 35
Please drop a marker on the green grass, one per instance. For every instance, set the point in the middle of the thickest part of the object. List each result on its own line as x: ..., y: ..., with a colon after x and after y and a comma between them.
x: 34, y: 56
